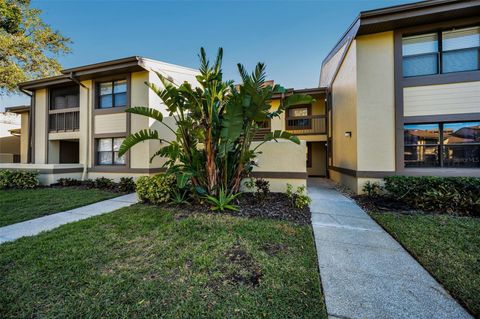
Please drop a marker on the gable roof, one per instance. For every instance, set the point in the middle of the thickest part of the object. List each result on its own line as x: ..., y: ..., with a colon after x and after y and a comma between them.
x: 395, y: 17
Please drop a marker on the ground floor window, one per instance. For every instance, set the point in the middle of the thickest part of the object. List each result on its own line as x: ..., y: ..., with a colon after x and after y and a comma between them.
x: 442, y: 145
x: 107, y: 151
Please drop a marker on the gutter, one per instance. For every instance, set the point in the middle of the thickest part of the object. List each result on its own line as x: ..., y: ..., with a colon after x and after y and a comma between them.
x: 30, y: 125
x: 85, y: 165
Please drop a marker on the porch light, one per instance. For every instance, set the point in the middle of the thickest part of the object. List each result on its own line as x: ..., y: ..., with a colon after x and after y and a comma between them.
x: 348, y: 134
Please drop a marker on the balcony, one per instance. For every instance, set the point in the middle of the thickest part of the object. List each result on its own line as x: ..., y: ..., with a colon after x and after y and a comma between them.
x: 306, y: 125
x: 64, y: 120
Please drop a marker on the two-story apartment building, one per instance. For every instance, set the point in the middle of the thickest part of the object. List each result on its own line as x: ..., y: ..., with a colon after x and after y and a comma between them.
x: 77, y: 122
x: 403, y: 88
x: 398, y: 95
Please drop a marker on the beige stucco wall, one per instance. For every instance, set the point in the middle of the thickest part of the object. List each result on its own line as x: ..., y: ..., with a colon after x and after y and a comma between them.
x: 139, y: 97
x: 40, y: 126
x: 344, y: 117
x: 453, y: 98
x: 375, y: 103
x: 86, y: 123
x: 111, y: 123
x: 24, y: 138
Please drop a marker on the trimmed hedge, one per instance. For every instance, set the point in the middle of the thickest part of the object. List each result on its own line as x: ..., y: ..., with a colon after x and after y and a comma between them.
x: 450, y: 194
x: 18, y: 179
x: 155, y: 189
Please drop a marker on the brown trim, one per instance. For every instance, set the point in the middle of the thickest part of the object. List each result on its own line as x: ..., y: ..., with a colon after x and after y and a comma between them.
x: 54, y: 170
x: 468, y: 117
x: 18, y: 109
x: 47, y: 124
x: 286, y: 175
x: 122, y: 169
x: 109, y: 135
x: 45, y: 82
x: 110, y: 63
x: 111, y: 110
x: 442, y: 172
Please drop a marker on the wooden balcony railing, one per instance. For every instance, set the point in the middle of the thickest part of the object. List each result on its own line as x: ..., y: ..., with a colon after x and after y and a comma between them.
x: 65, y: 120
x: 305, y: 125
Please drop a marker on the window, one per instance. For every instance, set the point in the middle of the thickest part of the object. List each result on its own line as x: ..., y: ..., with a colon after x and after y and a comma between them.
x: 460, y: 50
x: 442, y: 145
x: 299, y: 118
x: 112, y: 94
x: 107, y: 151
x: 64, y: 97
x: 420, y: 55
x: 441, y: 52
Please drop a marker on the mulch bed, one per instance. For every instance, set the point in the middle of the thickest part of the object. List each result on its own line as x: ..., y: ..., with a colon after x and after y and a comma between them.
x: 386, y: 204
x: 273, y: 206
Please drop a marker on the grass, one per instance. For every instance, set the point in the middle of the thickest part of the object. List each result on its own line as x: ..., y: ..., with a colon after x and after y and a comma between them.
x: 18, y: 205
x: 447, y: 246
x: 142, y: 262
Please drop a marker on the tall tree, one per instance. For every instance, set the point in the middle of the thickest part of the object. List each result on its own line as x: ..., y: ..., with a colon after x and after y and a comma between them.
x: 29, y: 48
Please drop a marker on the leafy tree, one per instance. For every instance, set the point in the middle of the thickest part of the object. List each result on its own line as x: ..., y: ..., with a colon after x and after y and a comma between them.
x: 220, y: 116
x: 28, y: 47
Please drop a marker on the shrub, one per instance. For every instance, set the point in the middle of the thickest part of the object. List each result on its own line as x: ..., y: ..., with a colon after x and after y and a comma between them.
x: 223, y: 201
x: 449, y: 194
x: 18, y: 179
x: 260, y: 186
x: 299, y: 197
x: 372, y: 189
x: 69, y: 182
x: 126, y: 185
x: 104, y: 183
x: 156, y: 189
x: 88, y: 183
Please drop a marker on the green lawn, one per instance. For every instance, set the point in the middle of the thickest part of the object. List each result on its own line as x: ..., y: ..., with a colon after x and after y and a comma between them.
x: 448, y: 247
x: 20, y: 205
x: 142, y: 262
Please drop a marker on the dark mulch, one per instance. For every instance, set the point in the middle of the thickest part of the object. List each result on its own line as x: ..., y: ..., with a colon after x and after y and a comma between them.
x: 382, y: 203
x: 273, y: 206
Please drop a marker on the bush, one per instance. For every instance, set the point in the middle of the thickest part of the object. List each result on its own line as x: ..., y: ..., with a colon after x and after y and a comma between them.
x: 126, y: 185
x: 260, y: 186
x: 372, y: 189
x: 65, y: 182
x: 88, y: 183
x: 104, y: 183
x: 299, y: 197
x: 156, y: 189
x: 449, y: 194
x: 18, y: 179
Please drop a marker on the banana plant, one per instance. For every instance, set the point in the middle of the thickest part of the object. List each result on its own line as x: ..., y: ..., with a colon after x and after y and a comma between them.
x: 220, y: 116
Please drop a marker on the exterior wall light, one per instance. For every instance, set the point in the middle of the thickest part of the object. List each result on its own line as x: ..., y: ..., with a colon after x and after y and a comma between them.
x: 348, y: 134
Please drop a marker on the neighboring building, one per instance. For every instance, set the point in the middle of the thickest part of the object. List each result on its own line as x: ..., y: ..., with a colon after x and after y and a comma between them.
x: 78, y: 121
x: 9, y: 137
x: 403, y: 89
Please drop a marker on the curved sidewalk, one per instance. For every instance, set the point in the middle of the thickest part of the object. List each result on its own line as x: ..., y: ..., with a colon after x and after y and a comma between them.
x: 35, y: 226
x: 365, y: 273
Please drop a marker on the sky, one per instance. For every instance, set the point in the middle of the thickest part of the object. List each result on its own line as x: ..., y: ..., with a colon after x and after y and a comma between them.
x: 291, y: 36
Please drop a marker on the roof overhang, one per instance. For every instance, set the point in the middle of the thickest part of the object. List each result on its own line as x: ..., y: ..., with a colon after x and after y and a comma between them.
x: 87, y: 72
x: 418, y: 13
x: 18, y: 109
x: 308, y: 91
x: 406, y: 15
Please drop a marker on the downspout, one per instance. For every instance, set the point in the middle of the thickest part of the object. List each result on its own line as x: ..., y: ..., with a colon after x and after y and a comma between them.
x: 85, y: 165
x: 30, y: 126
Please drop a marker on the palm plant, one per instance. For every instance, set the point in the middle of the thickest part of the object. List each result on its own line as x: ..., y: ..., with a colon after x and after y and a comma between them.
x: 219, y: 115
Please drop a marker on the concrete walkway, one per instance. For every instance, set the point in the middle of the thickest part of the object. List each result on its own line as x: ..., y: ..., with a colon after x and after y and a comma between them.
x: 35, y: 226
x: 365, y: 273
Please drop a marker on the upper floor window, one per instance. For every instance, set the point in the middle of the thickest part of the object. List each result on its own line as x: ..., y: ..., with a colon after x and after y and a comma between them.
x: 112, y: 94
x: 64, y: 97
x: 441, y: 52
